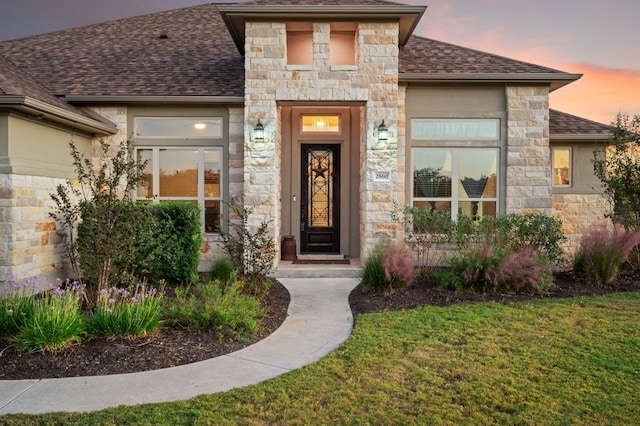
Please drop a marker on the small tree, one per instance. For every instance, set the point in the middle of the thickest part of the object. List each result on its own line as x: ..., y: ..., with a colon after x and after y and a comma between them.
x: 618, y: 168
x: 101, y: 195
x: 253, y: 252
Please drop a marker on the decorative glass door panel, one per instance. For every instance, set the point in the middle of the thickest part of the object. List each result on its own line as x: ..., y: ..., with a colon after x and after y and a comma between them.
x: 319, y: 208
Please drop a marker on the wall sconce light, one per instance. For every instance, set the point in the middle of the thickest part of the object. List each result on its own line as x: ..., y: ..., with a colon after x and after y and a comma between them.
x: 258, y: 131
x: 383, y: 132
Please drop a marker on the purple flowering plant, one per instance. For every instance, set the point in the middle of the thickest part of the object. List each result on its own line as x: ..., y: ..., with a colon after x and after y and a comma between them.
x: 132, y: 311
x: 55, y: 319
x: 17, y: 302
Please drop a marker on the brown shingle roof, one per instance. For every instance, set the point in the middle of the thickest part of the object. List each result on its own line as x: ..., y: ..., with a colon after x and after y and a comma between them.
x: 561, y: 123
x: 423, y: 55
x: 16, y: 82
x: 131, y: 56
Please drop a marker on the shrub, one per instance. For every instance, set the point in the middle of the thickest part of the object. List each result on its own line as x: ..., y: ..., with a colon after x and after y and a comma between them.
x: 541, y: 233
x: 116, y: 256
x: 56, y: 320
x: 251, y: 251
x: 399, y: 268
x: 425, y: 229
x: 387, y: 267
x: 254, y: 285
x: 603, y: 251
x: 223, y: 270
x: 214, y: 306
x: 173, y: 253
x: 495, y: 269
x: 126, y: 312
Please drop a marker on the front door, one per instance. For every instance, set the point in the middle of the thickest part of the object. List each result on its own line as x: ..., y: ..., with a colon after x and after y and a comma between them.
x: 320, y: 198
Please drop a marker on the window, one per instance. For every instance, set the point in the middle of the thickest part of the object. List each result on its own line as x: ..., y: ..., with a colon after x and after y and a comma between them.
x: 299, y: 43
x: 184, y: 173
x: 455, y: 129
x: 178, y: 128
x: 456, y: 180
x: 342, y: 44
x: 561, y: 159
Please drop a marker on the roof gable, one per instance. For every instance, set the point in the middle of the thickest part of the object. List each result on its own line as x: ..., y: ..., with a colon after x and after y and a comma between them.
x: 235, y: 15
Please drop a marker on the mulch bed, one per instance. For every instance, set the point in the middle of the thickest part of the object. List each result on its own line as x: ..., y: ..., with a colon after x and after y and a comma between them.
x: 168, y: 348
x: 428, y: 293
x: 177, y: 347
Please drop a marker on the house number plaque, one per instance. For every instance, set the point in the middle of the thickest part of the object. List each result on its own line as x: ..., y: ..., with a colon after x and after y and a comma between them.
x: 382, y: 176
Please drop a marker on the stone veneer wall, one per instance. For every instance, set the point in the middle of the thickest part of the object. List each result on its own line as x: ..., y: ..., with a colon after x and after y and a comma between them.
x: 529, y: 179
x: 29, y: 244
x: 374, y: 80
x: 579, y: 213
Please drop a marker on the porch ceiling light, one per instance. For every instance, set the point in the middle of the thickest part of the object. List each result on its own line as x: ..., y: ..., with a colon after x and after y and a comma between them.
x: 383, y: 132
x: 258, y: 131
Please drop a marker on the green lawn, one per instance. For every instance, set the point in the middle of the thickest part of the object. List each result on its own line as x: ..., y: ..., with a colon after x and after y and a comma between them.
x: 544, y: 362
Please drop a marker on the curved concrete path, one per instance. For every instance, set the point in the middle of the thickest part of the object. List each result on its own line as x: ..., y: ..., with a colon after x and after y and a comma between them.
x: 319, y: 320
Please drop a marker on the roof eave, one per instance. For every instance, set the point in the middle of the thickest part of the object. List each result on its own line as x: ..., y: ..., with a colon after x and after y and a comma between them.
x: 44, y: 110
x: 555, y: 80
x: 235, y: 16
x: 130, y: 99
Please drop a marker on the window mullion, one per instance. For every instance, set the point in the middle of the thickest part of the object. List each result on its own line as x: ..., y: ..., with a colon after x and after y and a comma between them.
x: 156, y: 175
x: 201, y: 166
x: 454, y: 184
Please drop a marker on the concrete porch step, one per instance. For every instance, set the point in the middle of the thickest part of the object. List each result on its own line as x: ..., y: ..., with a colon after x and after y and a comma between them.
x: 320, y: 256
x: 287, y: 269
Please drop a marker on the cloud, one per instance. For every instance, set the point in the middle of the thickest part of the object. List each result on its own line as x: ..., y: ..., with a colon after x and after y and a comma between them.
x: 600, y: 94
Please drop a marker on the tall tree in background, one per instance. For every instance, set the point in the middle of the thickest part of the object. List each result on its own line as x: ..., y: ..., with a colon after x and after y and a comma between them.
x: 618, y: 168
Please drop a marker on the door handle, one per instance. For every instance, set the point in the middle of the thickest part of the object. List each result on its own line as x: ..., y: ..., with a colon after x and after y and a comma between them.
x: 303, y: 216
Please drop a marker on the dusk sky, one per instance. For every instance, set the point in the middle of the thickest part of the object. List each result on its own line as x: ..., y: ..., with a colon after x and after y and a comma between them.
x: 591, y: 37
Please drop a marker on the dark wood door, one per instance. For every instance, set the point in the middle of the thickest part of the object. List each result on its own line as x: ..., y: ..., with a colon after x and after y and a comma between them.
x: 320, y: 199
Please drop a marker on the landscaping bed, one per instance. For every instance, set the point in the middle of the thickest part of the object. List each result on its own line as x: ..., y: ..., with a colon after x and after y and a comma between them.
x: 173, y: 347
x: 168, y: 348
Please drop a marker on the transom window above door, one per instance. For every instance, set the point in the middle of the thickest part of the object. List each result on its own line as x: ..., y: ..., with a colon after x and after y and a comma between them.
x: 321, y: 123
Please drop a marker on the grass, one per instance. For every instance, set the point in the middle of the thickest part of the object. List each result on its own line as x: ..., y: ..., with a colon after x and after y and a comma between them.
x: 551, y: 362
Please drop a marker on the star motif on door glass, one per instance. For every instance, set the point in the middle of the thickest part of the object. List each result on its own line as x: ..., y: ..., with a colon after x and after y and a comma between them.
x: 320, y: 171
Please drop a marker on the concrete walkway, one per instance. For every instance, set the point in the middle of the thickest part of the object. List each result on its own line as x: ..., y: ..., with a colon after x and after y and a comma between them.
x: 319, y: 321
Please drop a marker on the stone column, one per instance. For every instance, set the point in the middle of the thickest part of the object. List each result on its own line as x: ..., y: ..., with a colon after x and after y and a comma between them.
x: 529, y: 179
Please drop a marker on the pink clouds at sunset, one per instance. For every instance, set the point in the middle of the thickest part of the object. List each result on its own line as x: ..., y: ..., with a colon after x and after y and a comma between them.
x: 600, y: 94
x: 576, y: 36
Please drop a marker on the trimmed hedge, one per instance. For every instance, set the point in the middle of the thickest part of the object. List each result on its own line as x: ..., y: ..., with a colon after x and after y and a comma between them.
x: 174, y: 252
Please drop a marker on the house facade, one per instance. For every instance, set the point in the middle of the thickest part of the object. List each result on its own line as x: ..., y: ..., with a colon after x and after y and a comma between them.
x: 320, y: 117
